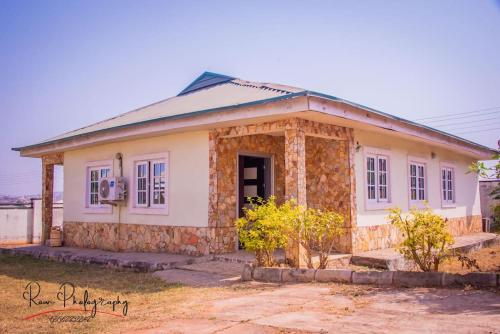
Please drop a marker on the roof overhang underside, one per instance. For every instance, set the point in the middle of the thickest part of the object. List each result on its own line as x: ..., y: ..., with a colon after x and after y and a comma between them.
x: 303, y: 104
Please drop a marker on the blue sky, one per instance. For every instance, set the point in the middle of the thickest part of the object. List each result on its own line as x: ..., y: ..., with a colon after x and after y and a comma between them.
x: 65, y: 64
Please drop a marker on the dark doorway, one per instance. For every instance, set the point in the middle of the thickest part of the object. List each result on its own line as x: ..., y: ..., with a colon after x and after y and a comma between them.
x: 254, y: 179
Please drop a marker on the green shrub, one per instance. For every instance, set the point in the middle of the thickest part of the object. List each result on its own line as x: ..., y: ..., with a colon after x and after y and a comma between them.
x: 426, y: 238
x: 267, y: 226
x: 319, y: 232
x: 263, y: 229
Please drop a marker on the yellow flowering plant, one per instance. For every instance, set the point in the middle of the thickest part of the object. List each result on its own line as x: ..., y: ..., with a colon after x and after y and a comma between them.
x: 426, y: 238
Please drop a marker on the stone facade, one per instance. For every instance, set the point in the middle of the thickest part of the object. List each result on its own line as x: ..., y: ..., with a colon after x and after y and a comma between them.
x: 227, y: 173
x: 368, y: 238
x: 465, y: 225
x: 328, y: 181
x: 327, y: 175
x: 296, y: 145
x: 48, y: 163
x: 149, y: 238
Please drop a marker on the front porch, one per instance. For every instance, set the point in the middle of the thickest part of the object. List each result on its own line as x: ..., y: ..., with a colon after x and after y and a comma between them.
x: 311, y: 162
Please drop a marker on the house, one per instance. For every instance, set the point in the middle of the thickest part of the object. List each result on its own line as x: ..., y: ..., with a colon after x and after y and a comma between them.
x: 193, y: 159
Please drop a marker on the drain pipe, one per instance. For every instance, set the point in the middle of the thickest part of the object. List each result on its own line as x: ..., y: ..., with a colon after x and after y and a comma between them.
x: 119, y: 157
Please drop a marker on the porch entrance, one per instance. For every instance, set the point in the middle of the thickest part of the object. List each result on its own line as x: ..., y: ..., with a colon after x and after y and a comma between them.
x: 254, y: 179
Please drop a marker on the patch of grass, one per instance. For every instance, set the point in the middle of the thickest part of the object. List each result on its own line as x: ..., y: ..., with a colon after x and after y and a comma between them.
x: 151, y: 301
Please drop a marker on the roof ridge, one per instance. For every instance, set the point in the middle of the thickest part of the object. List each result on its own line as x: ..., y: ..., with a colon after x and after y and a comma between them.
x: 206, y: 79
x: 259, y: 85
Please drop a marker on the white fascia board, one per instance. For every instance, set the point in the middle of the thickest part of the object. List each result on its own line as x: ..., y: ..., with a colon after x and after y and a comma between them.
x: 356, y: 114
x: 228, y: 117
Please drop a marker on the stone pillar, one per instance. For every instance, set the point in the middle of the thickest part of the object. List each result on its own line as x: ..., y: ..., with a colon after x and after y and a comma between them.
x: 351, y: 227
x: 213, y: 200
x: 295, y: 184
x: 351, y: 147
x: 47, y: 198
x: 48, y: 163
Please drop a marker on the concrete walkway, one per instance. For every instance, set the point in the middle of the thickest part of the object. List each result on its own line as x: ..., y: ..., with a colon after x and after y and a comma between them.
x: 172, y: 268
x: 391, y: 259
x: 135, y: 260
x: 210, y: 273
x: 335, y: 308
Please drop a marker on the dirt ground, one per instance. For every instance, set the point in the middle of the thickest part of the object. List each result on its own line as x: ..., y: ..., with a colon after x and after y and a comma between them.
x: 320, y: 308
x: 157, y: 307
x: 487, y: 259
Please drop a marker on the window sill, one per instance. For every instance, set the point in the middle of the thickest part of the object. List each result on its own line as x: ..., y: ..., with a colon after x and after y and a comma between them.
x: 102, y: 210
x: 149, y: 211
x: 448, y: 206
x: 378, y: 206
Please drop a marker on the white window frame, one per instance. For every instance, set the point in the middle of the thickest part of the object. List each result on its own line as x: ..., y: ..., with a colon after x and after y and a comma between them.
x: 89, y: 167
x: 136, y: 184
x: 417, y: 161
x: 448, y: 203
x: 377, y: 203
x: 149, y: 207
x: 151, y: 181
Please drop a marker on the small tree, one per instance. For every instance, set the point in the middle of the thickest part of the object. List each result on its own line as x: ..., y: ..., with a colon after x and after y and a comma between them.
x: 426, y: 238
x: 319, y: 232
x: 263, y: 228
x: 491, y: 172
x: 316, y: 231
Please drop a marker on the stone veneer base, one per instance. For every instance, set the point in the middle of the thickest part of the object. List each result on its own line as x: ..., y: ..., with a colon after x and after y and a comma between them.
x: 150, y: 238
x: 367, y: 238
x: 217, y: 240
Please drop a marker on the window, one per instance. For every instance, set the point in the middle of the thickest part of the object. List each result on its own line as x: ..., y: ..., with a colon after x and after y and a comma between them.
x: 95, y: 172
x: 159, y: 180
x: 151, y: 183
x: 417, y: 182
x: 142, y: 184
x: 447, y: 185
x: 377, y: 169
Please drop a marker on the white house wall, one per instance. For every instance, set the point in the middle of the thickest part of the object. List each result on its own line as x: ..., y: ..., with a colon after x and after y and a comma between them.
x: 466, y: 185
x: 187, y: 180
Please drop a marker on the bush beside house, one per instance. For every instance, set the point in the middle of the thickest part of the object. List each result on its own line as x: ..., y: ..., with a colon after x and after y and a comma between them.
x: 267, y: 226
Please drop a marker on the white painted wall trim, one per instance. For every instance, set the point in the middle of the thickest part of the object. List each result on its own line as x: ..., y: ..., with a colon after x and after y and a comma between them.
x: 450, y: 165
x: 423, y: 161
x: 103, y: 208
x: 231, y: 117
x: 374, y: 204
x: 133, y: 208
x: 350, y: 112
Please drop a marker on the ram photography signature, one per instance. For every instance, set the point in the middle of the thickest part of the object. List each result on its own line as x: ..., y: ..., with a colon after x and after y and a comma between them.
x: 67, y: 300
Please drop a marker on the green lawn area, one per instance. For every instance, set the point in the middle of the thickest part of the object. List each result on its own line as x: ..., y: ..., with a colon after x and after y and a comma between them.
x: 151, y: 302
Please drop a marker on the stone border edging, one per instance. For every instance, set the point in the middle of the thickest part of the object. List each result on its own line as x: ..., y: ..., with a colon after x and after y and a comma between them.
x: 387, y: 278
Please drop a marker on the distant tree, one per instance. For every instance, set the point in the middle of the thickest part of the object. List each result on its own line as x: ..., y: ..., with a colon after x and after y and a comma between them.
x: 492, y: 172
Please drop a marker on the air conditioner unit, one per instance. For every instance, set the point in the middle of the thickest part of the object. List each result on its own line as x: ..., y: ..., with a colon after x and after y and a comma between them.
x: 112, y: 189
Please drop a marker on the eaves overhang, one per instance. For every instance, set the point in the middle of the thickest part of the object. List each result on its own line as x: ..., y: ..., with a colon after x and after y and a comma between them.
x: 482, y: 151
x: 163, y: 119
